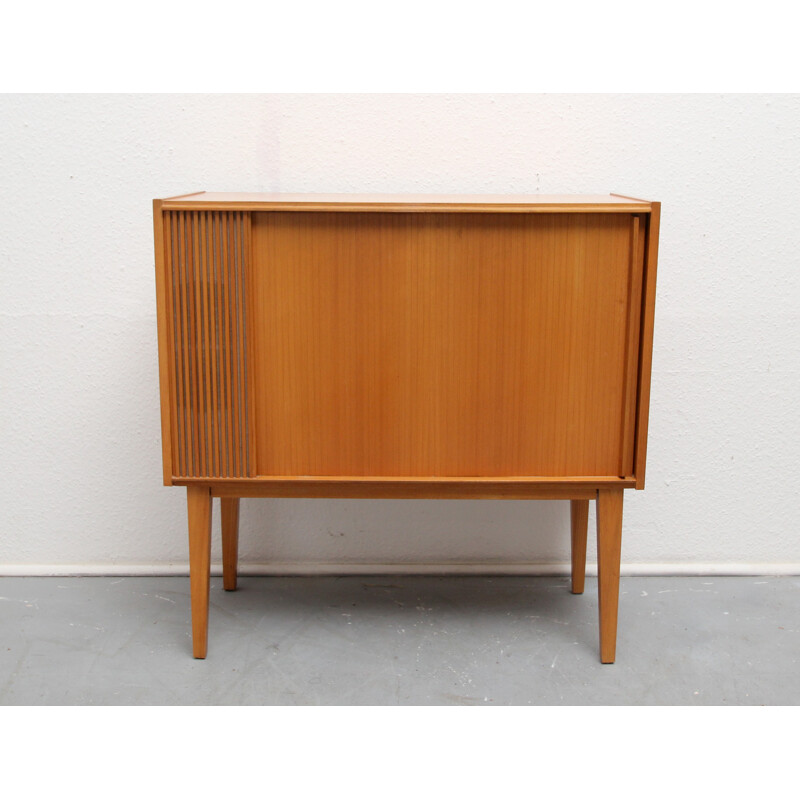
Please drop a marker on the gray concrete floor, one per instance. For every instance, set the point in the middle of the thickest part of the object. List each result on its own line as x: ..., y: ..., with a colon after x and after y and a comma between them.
x: 399, y: 640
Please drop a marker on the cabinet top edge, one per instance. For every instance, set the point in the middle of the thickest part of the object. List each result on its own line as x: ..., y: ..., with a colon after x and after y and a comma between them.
x: 263, y: 201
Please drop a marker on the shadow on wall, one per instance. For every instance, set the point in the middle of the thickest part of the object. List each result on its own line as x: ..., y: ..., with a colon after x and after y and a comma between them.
x: 379, y: 531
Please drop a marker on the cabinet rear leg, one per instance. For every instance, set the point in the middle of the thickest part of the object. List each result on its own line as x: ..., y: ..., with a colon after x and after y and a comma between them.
x: 609, y: 544
x: 579, y: 513
x: 199, y: 508
x: 230, y: 541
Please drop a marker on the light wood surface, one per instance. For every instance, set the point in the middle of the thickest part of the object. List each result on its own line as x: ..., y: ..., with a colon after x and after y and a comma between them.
x: 229, y: 507
x: 579, y: 523
x: 609, y: 543
x: 646, y: 347
x: 437, y: 345
x: 524, y: 203
x: 386, y: 488
x: 405, y: 346
x: 631, y: 360
x: 165, y: 354
x: 199, y: 513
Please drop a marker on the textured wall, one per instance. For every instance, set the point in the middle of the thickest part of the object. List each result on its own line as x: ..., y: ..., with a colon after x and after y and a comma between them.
x: 81, y: 481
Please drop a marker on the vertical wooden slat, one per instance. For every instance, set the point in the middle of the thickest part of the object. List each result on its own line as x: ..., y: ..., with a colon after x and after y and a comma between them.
x: 173, y: 304
x: 236, y: 224
x: 215, y: 348
x: 197, y: 342
x: 230, y: 284
x: 206, y: 344
x: 218, y: 399
x: 185, y: 354
x: 191, y: 465
x: 225, y: 287
x: 224, y: 345
x: 234, y: 344
x: 186, y: 359
x: 249, y: 354
x: 242, y: 345
x: 199, y: 288
x: 194, y: 321
x: 231, y: 251
x: 209, y: 358
x: 218, y: 351
x: 177, y: 319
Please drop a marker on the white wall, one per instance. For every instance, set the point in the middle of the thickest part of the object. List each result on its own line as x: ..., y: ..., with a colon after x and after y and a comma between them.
x: 80, y: 446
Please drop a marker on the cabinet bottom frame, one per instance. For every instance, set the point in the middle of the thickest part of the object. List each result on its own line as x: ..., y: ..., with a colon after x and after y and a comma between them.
x: 577, y: 488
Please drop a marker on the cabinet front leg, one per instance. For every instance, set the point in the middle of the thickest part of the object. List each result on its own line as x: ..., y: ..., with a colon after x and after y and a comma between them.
x: 609, y: 544
x: 199, y: 506
x: 230, y: 541
x: 579, y: 513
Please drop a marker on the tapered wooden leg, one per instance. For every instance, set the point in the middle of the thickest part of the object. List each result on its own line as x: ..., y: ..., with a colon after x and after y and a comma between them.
x: 230, y: 541
x: 609, y: 544
x: 579, y: 513
x: 199, y: 504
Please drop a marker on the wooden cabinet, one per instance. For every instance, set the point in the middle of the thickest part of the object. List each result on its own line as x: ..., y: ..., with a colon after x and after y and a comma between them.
x: 407, y: 347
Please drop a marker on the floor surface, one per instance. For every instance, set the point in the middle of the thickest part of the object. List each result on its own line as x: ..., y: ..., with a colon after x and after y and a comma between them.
x: 399, y: 640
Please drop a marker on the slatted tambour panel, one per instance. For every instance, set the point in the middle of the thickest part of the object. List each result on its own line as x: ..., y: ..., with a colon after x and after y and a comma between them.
x: 207, y: 255
x: 445, y: 344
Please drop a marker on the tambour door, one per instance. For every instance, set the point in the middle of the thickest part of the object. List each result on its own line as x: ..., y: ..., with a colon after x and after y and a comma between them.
x: 435, y: 344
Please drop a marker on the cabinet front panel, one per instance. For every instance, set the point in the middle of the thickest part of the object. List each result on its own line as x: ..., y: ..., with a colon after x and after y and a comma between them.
x: 206, y: 257
x: 442, y: 344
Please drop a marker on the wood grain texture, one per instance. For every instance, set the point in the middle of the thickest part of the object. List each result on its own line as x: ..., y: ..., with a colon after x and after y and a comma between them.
x: 164, y: 323
x: 453, y: 203
x: 207, y: 261
x: 632, y: 347
x: 405, y: 346
x: 609, y: 544
x: 442, y: 344
x: 401, y: 490
x: 646, y: 345
x: 199, y: 512
x: 579, y: 524
x: 229, y: 507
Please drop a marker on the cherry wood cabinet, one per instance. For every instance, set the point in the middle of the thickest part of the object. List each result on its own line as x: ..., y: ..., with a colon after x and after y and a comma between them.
x: 405, y: 346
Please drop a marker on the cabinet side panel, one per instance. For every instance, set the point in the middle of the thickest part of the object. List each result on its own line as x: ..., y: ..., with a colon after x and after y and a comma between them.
x: 440, y: 344
x: 646, y: 346
x: 635, y: 277
x: 164, y: 352
x: 207, y: 271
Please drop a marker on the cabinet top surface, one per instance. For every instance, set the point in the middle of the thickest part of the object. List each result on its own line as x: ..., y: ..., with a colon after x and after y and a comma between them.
x: 406, y: 202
